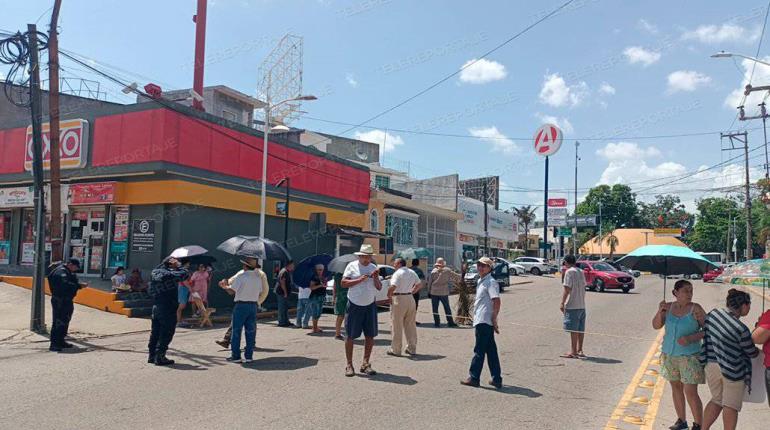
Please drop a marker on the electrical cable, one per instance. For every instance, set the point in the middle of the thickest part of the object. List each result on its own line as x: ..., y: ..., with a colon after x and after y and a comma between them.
x: 15, y: 52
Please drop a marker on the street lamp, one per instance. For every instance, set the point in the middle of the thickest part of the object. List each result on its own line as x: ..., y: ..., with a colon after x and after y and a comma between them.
x: 723, y: 54
x: 266, y: 132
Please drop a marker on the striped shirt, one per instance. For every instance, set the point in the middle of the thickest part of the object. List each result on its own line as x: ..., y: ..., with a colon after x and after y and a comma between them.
x: 727, y: 342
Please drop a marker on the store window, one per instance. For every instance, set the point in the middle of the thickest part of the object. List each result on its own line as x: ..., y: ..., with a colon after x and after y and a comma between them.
x: 27, y: 250
x: 5, y: 237
x: 87, y: 237
x: 374, y: 221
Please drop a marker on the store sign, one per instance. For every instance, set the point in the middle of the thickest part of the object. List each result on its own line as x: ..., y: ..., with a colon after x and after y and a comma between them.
x: 143, y: 235
x: 466, y: 238
x: 280, y: 208
x: 18, y: 197
x: 557, y: 203
x: 668, y: 232
x: 95, y: 193
x: 73, y: 145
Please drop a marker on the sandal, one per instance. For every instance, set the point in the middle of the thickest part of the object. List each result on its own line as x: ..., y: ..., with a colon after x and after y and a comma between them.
x: 581, y: 355
x: 569, y: 355
x: 349, y: 370
x: 366, y: 369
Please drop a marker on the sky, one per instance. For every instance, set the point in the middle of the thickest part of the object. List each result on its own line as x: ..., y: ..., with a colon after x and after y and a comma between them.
x: 616, y: 75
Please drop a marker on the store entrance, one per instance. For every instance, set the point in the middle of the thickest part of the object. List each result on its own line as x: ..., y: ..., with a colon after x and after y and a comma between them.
x: 87, y: 237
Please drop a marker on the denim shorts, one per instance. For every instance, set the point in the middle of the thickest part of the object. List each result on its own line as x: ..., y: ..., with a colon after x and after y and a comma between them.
x: 575, y: 319
x: 361, y: 319
x: 183, y: 294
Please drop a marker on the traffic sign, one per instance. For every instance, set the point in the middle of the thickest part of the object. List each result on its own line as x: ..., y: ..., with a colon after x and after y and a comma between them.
x: 565, y: 231
x: 547, y: 140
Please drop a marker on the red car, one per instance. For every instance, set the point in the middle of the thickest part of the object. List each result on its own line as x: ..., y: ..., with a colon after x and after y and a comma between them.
x: 601, y: 276
x: 712, y: 274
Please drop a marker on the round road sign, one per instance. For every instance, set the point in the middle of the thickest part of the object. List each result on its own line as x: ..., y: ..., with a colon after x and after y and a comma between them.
x: 547, y: 140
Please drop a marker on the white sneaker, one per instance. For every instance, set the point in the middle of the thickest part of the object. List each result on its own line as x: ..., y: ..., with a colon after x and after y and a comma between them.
x: 248, y: 360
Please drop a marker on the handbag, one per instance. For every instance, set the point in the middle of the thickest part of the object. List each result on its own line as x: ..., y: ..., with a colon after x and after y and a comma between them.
x: 758, y: 390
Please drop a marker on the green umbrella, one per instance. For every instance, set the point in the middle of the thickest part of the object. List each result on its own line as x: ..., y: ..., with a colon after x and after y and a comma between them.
x: 666, y: 260
x: 412, y: 253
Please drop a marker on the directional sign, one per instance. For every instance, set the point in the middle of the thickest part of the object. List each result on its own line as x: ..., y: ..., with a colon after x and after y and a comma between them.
x: 547, y: 140
x: 565, y: 231
x: 583, y: 220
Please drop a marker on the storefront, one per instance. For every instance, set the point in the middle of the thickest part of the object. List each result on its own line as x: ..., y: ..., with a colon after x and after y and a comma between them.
x: 501, y: 229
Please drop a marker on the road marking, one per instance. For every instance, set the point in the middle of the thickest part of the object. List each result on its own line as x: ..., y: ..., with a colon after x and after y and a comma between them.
x: 619, y: 413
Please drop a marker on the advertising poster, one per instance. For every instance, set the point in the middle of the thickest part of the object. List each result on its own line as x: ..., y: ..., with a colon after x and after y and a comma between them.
x: 28, y: 253
x: 118, y: 251
x: 5, y: 251
x: 95, y: 264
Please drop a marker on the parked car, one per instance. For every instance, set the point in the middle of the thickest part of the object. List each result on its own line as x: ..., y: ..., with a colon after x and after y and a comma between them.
x: 634, y: 273
x: 500, y: 272
x: 382, y: 296
x: 536, y: 266
x: 713, y: 274
x: 515, y: 269
x: 602, y: 276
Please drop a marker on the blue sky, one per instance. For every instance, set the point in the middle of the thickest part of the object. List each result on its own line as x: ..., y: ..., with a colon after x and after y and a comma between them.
x: 601, y: 68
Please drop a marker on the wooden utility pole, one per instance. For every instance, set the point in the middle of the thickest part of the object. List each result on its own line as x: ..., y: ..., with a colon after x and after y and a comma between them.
x: 743, y: 138
x: 53, y: 113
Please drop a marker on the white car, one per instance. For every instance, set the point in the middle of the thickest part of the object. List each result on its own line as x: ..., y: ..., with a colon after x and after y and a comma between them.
x: 536, y: 266
x: 513, y: 268
x: 382, y: 296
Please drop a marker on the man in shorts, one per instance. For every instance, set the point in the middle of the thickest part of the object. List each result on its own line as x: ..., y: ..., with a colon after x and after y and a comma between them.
x: 361, y: 279
x: 573, y: 306
x: 340, y: 300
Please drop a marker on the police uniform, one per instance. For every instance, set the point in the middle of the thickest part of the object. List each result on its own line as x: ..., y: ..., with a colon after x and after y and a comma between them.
x: 64, y: 286
x: 163, y: 289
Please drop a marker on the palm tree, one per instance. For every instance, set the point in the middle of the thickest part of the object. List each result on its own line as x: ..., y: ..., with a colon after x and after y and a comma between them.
x: 526, y: 216
x: 612, y: 241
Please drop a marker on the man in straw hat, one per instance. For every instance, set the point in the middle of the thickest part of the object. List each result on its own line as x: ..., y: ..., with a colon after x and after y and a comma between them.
x: 487, y: 307
x: 250, y: 288
x: 438, y: 290
x: 362, y: 280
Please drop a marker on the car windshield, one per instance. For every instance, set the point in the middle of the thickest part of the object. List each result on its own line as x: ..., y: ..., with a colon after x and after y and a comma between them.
x: 472, y: 269
x: 604, y: 267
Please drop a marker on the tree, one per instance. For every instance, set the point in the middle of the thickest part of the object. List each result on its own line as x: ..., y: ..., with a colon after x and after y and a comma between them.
x: 713, y: 223
x: 618, y: 205
x: 612, y: 241
x: 526, y: 216
x: 667, y: 211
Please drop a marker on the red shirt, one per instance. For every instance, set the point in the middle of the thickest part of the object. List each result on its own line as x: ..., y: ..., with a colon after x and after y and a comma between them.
x: 764, y: 322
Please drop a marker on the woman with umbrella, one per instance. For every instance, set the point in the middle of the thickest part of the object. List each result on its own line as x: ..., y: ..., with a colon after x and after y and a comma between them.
x: 683, y: 321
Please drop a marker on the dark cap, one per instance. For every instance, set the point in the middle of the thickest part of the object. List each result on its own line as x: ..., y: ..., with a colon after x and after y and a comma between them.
x: 74, y: 262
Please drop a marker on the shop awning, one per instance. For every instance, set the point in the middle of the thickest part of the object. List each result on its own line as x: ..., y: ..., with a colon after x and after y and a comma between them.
x: 370, y: 234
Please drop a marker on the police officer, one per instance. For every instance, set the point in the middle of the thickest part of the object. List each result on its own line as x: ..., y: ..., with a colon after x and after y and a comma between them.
x: 64, y: 286
x: 163, y: 289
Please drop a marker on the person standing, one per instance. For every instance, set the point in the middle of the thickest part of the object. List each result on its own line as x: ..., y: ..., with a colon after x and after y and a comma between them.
x: 303, y: 306
x: 727, y: 352
x: 247, y: 287
x: 317, y: 295
x: 340, y: 298
x: 487, y: 308
x: 403, y: 309
x: 438, y: 290
x: 64, y: 286
x: 761, y: 336
x: 683, y: 321
x: 283, y: 286
x: 225, y: 341
x: 421, y: 275
x: 164, y: 281
x: 573, y: 306
x: 361, y: 279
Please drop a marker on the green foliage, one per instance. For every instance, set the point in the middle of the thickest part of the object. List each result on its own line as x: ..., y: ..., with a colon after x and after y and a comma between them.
x: 710, y: 233
x: 526, y: 216
x: 667, y: 211
x: 619, y: 208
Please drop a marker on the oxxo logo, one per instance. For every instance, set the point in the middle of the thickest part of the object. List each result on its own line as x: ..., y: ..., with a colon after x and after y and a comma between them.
x: 73, y: 145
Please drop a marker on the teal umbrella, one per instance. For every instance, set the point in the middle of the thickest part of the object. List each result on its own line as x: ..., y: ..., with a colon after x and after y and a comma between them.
x: 412, y: 253
x: 667, y: 260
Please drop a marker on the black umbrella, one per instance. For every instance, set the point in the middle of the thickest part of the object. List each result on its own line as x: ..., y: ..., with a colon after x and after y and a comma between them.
x: 195, y: 260
x: 338, y: 264
x: 255, y: 247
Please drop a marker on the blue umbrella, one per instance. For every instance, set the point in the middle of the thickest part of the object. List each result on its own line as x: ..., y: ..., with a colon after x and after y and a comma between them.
x: 667, y: 260
x: 305, y: 269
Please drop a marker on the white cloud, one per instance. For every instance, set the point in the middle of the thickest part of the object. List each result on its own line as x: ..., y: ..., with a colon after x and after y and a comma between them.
x: 648, y: 26
x: 607, y: 89
x: 351, y: 79
x: 557, y: 93
x: 562, y: 123
x: 482, y: 71
x: 637, y: 54
x: 686, y: 80
x: 761, y: 74
x: 388, y: 142
x: 499, y: 141
x: 627, y: 151
x: 715, y: 34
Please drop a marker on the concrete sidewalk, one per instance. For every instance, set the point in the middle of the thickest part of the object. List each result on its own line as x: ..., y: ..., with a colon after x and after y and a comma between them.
x: 86, y: 322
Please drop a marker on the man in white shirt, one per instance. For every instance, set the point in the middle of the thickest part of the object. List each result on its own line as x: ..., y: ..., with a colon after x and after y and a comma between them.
x: 573, y: 306
x: 362, y: 280
x: 486, y: 309
x: 250, y: 288
x: 403, y: 309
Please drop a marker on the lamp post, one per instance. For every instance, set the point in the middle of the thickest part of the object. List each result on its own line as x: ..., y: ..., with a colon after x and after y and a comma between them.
x: 287, y: 180
x: 723, y: 54
x: 266, y: 132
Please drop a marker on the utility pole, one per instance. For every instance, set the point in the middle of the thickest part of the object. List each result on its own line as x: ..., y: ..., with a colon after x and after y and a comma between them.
x: 200, y: 55
x: 545, y: 212
x: 574, y: 230
x: 486, y: 221
x: 53, y: 114
x: 763, y: 114
x: 743, y: 138
x: 37, y: 318
x: 601, y: 239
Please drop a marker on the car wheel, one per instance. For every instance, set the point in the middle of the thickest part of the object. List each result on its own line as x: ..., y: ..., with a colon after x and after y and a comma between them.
x: 599, y: 285
x: 626, y: 290
x: 535, y: 271
x: 591, y: 288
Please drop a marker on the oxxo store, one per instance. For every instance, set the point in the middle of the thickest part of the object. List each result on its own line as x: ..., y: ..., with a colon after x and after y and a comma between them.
x: 95, y: 227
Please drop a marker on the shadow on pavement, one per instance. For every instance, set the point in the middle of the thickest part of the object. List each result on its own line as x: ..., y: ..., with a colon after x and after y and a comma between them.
x: 282, y: 363
x: 516, y: 391
x: 377, y: 342
x: 427, y: 357
x: 393, y: 379
x: 184, y: 366
x: 601, y: 360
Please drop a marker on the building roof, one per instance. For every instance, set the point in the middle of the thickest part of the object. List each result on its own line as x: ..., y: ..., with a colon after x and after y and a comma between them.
x: 628, y: 240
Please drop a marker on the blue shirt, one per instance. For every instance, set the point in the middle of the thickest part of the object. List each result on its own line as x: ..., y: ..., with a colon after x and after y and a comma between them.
x: 677, y: 327
x: 486, y: 290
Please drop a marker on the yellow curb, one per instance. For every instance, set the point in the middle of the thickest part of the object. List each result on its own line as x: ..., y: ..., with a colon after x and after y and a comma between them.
x: 633, y: 419
x: 647, y: 384
x: 641, y: 400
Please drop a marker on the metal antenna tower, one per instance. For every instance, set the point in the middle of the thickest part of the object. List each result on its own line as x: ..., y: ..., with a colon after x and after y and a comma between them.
x: 280, y: 78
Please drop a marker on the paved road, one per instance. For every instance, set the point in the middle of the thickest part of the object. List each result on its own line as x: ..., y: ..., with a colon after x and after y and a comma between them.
x: 297, y: 380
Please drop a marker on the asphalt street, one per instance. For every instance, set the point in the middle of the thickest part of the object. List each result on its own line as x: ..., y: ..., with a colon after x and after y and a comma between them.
x: 297, y: 380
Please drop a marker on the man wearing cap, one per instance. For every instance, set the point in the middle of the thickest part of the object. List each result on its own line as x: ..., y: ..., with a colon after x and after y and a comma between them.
x: 362, y: 280
x: 64, y: 285
x: 438, y: 290
x: 403, y: 310
x: 487, y: 307
x: 250, y: 288
x: 164, y: 280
